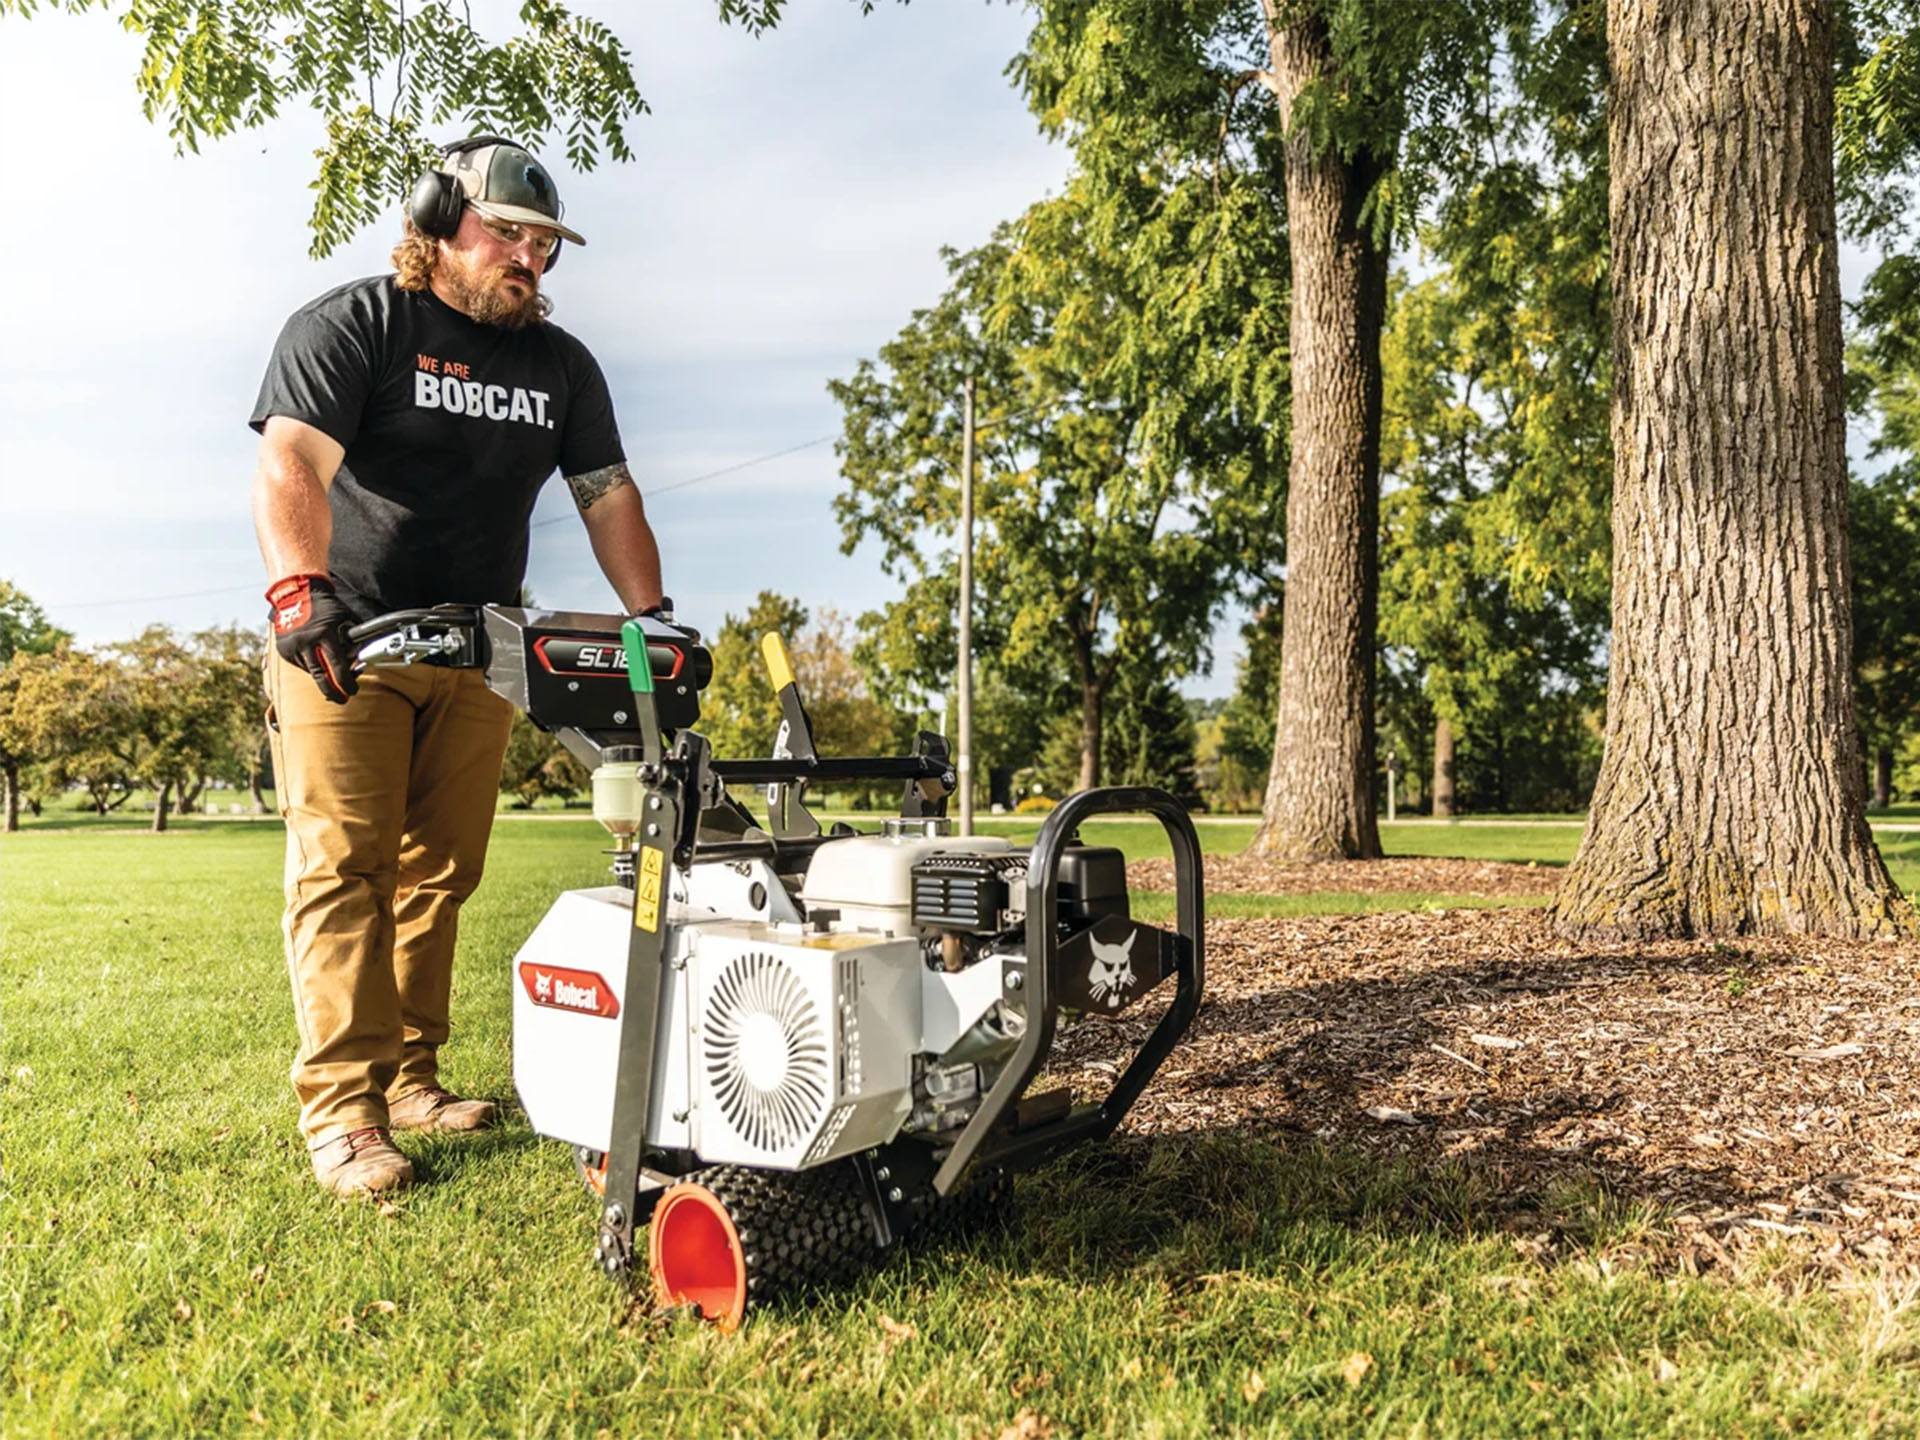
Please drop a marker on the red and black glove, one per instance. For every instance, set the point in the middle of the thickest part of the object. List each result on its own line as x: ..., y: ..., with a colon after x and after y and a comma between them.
x: 310, y: 630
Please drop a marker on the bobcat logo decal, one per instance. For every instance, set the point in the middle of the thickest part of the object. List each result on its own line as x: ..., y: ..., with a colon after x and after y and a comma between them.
x: 1111, y: 975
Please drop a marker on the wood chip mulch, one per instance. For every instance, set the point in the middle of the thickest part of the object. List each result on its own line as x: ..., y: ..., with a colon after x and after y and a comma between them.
x: 1247, y: 875
x: 1753, y: 1091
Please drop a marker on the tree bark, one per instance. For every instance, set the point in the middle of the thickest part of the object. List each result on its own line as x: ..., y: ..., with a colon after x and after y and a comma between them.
x: 10, y: 781
x: 1883, y: 777
x: 1442, y: 770
x: 160, y: 800
x: 1319, y: 800
x: 1091, y: 724
x: 1731, y: 799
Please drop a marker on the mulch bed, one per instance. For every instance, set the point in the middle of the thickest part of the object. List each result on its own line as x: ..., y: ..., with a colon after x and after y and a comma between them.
x: 1755, y: 1090
x: 1247, y: 875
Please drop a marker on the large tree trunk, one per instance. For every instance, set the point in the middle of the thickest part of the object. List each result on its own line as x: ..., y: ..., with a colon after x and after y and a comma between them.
x: 160, y: 802
x: 1319, y: 800
x: 1731, y: 799
x: 10, y: 781
x: 1090, y: 728
x: 1442, y: 770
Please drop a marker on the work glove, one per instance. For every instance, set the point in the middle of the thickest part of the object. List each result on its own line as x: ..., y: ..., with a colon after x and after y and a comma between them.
x: 310, y: 630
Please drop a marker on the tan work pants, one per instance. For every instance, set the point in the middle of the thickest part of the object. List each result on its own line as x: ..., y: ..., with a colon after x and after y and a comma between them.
x: 389, y: 800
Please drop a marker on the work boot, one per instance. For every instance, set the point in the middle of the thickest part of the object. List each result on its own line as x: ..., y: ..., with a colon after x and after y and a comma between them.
x: 362, y: 1162
x: 433, y: 1109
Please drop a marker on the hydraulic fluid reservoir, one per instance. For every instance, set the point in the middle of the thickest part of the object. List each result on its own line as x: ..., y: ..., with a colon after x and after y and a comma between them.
x: 618, y: 791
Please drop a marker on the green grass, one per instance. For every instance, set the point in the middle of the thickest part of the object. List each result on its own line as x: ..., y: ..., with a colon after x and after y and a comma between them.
x: 168, y: 1268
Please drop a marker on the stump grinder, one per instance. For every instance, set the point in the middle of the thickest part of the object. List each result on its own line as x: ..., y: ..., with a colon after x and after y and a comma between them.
x: 785, y: 1049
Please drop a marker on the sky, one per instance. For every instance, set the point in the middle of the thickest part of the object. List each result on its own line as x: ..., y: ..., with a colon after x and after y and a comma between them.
x: 782, y: 218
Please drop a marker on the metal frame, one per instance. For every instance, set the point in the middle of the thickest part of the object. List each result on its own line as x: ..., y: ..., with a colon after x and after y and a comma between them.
x: 983, y: 1141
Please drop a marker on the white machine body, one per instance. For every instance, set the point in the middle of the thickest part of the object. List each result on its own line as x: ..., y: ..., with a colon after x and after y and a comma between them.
x: 780, y: 1044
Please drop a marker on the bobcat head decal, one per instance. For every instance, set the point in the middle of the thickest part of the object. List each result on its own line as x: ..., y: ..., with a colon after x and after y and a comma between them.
x: 1111, y: 975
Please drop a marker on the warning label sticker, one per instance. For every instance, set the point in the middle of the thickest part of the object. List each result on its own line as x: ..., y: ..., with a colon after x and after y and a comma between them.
x: 646, y: 889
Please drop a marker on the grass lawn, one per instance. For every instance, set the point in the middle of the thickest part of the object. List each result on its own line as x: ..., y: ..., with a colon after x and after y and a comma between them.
x: 169, y: 1269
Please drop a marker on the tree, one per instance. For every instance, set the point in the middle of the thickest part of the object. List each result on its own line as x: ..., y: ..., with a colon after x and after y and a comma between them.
x: 1731, y: 798
x: 537, y: 765
x: 739, y: 711
x: 24, y: 630
x: 379, y: 74
x: 1883, y: 366
x: 69, y: 710
x: 180, y: 714
x: 1371, y: 102
x: 228, y: 661
x: 1126, y: 452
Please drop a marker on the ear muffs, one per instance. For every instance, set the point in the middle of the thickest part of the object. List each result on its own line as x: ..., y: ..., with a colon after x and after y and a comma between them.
x: 436, y: 203
x: 438, y: 200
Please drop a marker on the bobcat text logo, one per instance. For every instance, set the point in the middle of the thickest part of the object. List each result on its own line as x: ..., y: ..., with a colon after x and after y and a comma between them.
x: 580, y: 991
x: 1112, y: 973
x: 456, y: 394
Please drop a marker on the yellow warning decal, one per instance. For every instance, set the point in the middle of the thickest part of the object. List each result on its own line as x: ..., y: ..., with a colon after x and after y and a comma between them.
x: 646, y: 890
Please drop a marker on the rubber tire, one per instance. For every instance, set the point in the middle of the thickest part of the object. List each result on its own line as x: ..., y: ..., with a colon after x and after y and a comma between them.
x: 984, y: 1206
x: 800, y: 1232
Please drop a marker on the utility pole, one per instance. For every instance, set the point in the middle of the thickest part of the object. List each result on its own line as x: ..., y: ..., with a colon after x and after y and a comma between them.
x: 964, y: 766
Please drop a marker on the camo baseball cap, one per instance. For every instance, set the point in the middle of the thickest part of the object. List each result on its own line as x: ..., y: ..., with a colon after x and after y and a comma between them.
x: 506, y: 183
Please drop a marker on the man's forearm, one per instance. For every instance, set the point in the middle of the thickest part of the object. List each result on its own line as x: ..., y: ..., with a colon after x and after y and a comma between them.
x: 623, y: 542
x: 291, y: 517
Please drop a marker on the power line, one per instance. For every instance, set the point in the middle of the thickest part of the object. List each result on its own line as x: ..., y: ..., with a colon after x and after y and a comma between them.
x: 712, y: 474
x: 732, y: 469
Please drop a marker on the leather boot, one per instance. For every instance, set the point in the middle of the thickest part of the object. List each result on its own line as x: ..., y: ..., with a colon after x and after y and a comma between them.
x: 362, y: 1162
x: 432, y: 1108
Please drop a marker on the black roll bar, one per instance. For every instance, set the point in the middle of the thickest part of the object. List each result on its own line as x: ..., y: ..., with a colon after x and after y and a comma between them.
x: 978, y: 1142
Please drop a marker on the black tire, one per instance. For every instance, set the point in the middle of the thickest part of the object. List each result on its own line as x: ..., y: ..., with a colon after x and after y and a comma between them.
x: 983, y: 1206
x: 799, y: 1232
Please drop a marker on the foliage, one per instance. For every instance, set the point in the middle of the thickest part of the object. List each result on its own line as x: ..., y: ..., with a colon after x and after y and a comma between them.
x: 24, y: 630
x: 537, y: 766
x: 739, y: 712
x: 1242, y: 740
x: 68, y: 711
x: 1128, y: 451
x: 229, y: 660
x: 24, y: 626
x: 380, y: 74
x: 1496, y: 456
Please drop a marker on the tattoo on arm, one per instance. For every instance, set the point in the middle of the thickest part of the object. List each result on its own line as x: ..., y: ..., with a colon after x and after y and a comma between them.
x: 591, y: 486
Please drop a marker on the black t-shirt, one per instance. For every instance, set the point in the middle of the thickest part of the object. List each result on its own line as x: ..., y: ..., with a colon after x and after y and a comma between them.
x: 450, y: 429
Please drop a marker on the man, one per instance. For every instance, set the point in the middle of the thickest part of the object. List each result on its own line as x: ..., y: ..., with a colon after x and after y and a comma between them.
x: 407, y: 423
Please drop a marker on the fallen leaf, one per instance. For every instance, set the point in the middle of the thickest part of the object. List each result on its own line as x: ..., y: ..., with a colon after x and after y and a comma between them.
x: 1496, y: 1042
x: 1028, y: 1425
x: 1253, y: 1387
x: 256, y: 1417
x: 1664, y: 1369
x: 386, y: 1209
x: 1827, y: 1052
x: 896, y: 1333
x: 182, y: 1310
x: 257, y: 1274
x: 379, y: 1307
x: 1392, y: 1115
x: 1357, y: 1367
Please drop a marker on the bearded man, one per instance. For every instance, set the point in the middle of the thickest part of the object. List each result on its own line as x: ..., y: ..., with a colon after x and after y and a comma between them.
x: 407, y: 423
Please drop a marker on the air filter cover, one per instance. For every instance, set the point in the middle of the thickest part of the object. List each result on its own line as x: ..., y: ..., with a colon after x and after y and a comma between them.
x: 801, y: 1043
